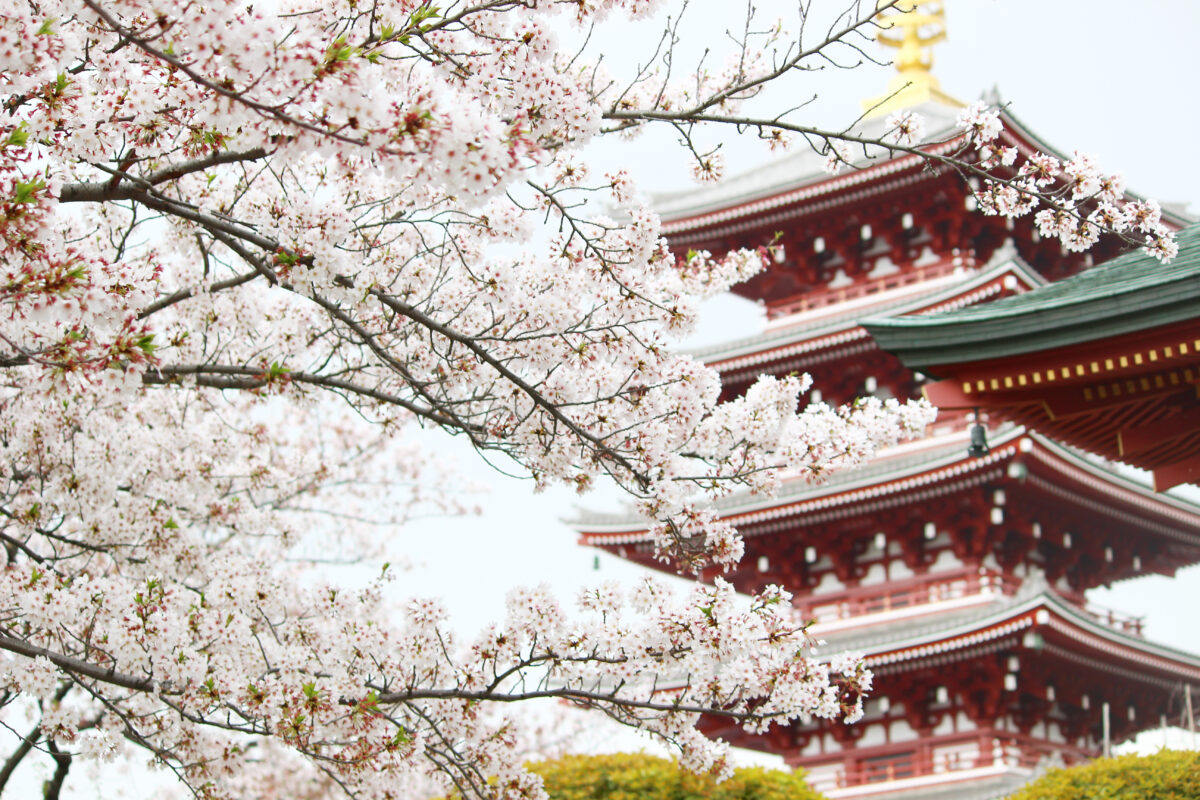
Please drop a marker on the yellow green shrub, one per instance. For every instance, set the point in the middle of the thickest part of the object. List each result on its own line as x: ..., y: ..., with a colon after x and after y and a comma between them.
x: 1167, y: 775
x: 631, y: 776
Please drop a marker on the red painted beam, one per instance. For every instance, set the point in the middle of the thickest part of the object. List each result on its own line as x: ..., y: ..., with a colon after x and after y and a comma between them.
x: 1135, y: 440
x: 1185, y: 471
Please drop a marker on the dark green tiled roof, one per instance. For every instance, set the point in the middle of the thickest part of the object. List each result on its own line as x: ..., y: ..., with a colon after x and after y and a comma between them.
x: 1130, y: 293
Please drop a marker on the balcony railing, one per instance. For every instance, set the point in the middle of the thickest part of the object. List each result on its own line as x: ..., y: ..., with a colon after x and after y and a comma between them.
x: 867, y: 602
x: 945, y: 755
x: 820, y: 299
x: 909, y: 594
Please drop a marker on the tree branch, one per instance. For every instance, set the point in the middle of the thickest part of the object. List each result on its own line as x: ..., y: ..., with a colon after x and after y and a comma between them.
x: 76, y: 666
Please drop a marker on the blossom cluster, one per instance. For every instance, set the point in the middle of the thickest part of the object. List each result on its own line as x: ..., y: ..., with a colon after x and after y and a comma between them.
x: 1075, y: 202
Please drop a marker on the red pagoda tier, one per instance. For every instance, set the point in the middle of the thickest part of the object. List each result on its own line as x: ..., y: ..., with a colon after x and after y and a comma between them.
x: 963, y: 582
x: 927, y: 521
x: 829, y: 343
x: 963, y: 579
x: 891, y: 222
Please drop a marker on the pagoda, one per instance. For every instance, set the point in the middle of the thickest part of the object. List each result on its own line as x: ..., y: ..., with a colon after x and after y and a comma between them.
x: 959, y: 567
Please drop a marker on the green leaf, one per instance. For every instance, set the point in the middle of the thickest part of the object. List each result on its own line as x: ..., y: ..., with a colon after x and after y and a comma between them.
x: 146, y: 344
x: 27, y: 190
x: 17, y: 137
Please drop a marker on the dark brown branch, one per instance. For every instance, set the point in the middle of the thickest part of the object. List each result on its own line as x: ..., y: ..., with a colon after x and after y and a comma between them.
x: 18, y: 755
x: 574, y: 695
x: 198, y: 164
x: 76, y: 666
x: 416, y: 315
x: 229, y: 376
x: 28, y: 743
x: 62, y: 764
x: 184, y: 294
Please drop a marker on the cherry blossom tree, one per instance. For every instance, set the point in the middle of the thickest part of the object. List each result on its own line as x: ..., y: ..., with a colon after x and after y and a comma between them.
x: 246, y: 247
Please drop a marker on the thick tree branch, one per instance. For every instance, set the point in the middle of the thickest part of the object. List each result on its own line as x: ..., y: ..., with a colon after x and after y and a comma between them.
x: 177, y: 171
x: 77, y: 666
x: 62, y: 764
x: 230, y: 376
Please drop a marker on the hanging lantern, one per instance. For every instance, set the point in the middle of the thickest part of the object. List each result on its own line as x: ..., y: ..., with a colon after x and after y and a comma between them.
x: 979, y: 446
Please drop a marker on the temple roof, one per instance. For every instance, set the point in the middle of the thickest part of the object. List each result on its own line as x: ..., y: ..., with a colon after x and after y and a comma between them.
x: 1002, y: 783
x: 800, y: 177
x: 776, y: 182
x: 788, y: 336
x: 906, y: 460
x: 918, y: 471
x: 1107, y: 360
x: 1034, y: 605
x: 1130, y: 293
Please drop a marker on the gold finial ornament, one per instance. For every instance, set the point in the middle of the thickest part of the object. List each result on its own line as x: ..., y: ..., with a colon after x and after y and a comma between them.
x: 911, y: 27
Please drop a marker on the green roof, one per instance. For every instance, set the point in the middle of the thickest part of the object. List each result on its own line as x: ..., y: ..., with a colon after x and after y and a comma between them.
x: 1130, y: 293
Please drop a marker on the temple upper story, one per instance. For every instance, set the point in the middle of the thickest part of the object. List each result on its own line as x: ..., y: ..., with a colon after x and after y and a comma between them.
x: 894, y: 218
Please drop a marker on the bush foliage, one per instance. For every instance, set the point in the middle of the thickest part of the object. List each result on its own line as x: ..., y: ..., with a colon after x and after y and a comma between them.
x: 1166, y: 775
x: 634, y: 776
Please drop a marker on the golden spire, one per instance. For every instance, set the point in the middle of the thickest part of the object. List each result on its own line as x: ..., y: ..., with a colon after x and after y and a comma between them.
x: 912, y: 27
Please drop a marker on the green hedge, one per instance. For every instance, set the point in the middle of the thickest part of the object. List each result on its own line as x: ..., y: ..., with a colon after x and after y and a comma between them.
x: 1167, y: 775
x: 631, y: 776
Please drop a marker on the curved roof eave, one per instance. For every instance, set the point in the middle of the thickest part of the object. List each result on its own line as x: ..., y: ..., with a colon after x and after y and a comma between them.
x: 930, y: 461
x: 1127, y: 294
x: 941, y: 296
x: 782, y: 181
x: 1019, y: 614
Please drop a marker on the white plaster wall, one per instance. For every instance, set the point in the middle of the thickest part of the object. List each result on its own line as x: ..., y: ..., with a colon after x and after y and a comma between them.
x: 829, y: 583
x: 946, y: 560
x: 840, y: 279
x: 927, y: 257
x: 901, y: 731
x: 875, y: 574
x: 884, y: 266
x: 873, y: 735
